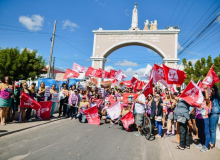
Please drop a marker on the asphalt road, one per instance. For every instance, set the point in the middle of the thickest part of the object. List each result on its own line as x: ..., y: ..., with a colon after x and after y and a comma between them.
x: 70, y: 139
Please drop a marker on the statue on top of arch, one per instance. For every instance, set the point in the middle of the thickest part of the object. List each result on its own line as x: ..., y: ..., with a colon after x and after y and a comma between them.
x: 152, y: 25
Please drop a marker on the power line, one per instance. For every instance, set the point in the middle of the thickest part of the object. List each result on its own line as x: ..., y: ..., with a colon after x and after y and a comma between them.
x: 186, y: 13
x: 174, y: 11
x: 180, y: 12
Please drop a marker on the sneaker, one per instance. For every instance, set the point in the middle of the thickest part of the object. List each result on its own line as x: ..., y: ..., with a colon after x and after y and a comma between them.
x: 198, y: 145
x: 204, y: 149
x: 137, y: 134
x: 30, y: 120
x: 70, y: 118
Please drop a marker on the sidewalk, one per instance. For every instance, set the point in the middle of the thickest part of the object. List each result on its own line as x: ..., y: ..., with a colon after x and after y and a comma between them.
x: 14, y: 127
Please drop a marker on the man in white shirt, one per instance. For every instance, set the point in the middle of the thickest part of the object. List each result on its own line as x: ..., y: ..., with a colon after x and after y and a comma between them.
x: 139, y: 110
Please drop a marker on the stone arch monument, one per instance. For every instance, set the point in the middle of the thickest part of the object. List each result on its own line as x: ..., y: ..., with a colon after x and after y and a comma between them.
x: 164, y: 42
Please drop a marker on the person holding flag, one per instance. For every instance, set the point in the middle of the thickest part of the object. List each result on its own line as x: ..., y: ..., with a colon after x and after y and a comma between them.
x: 82, y: 106
x: 139, y: 110
x: 52, y: 91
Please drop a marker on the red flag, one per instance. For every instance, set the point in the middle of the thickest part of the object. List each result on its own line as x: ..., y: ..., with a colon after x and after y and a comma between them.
x: 70, y: 73
x: 44, y: 110
x: 78, y: 68
x: 148, y: 88
x: 136, y: 85
x: 127, y: 120
x: 98, y: 102
x: 104, y: 74
x: 92, y: 115
x: 92, y: 72
x: 211, y: 78
x: 159, y: 70
x: 125, y: 97
x: 174, y: 76
x: 192, y: 94
x: 156, y: 76
x: 28, y: 102
x: 127, y: 84
x: 134, y: 80
x: 112, y: 73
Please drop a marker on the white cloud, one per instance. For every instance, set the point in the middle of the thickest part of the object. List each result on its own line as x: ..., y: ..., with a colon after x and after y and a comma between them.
x: 126, y: 63
x: 108, y: 68
x: 131, y: 72
x: 179, y: 47
x: 31, y: 50
x: 33, y: 23
x: 126, y: 13
x: 193, y: 61
x: 68, y: 23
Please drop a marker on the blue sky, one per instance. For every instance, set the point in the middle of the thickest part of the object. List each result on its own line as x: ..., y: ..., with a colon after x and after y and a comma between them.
x: 29, y: 24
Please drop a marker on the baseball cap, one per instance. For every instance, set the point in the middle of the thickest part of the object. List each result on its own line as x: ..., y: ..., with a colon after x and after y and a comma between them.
x: 84, y: 97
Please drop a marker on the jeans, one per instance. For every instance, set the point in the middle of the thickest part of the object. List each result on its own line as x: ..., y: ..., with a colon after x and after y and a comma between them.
x: 152, y: 125
x: 203, y: 131
x: 28, y: 113
x: 64, y: 106
x: 82, y: 117
x: 72, y: 111
x: 159, y: 127
x: 184, y: 135
x: 213, y: 120
x: 52, y: 108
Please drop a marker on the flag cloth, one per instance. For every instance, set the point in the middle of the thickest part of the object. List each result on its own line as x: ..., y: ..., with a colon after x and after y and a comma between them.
x: 92, y: 115
x: 98, y: 102
x: 159, y: 70
x: 127, y: 84
x: 78, y: 68
x: 112, y: 73
x: 211, y: 78
x: 148, y: 71
x: 69, y: 74
x: 120, y: 75
x: 148, y: 88
x: 174, y: 76
x: 192, y: 94
x: 127, y: 120
x: 126, y: 95
x: 44, y: 110
x: 104, y: 74
x: 155, y: 75
x: 163, y: 82
x: 28, y: 102
x: 136, y: 85
x: 134, y: 80
x: 92, y: 72
x: 114, y: 110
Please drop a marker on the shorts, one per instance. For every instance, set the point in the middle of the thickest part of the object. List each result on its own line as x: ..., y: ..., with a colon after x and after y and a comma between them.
x: 107, y: 117
x: 139, y: 118
x: 192, y: 116
x: 170, y: 116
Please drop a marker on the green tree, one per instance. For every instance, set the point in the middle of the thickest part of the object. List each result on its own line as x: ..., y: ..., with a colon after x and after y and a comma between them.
x: 20, y: 66
x: 201, y: 68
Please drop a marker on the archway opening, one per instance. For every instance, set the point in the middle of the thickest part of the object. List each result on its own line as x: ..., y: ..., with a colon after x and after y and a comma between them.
x: 132, y: 59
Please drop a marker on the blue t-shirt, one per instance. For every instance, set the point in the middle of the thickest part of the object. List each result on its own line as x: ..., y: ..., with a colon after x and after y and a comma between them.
x: 216, y: 107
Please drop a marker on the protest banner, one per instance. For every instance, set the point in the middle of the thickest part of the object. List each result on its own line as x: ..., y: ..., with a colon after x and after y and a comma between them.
x: 105, y: 84
x: 44, y: 111
x: 92, y: 115
x: 101, y: 92
x: 126, y: 97
x: 90, y: 84
x: 47, y: 92
x: 59, y: 77
x: 55, y: 97
x: 114, y: 110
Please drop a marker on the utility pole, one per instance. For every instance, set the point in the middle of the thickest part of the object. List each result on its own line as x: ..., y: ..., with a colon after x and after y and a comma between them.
x: 51, y: 49
x: 53, y: 66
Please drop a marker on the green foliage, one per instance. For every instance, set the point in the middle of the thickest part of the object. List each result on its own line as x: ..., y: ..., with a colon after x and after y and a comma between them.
x: 22, y: 65
x: 201, y: 68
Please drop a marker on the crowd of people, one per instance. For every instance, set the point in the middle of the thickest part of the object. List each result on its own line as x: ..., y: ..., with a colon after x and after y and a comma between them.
x: 169, y: 114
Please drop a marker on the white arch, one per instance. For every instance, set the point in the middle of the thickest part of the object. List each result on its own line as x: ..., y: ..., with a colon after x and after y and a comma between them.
x: 133, y: 42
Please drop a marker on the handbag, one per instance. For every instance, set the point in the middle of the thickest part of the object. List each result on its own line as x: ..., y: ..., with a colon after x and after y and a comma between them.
x: 159, y: 119
x: 181, y: 119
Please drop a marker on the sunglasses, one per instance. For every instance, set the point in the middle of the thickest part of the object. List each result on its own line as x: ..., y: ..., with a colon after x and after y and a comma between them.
x: 25, y: 85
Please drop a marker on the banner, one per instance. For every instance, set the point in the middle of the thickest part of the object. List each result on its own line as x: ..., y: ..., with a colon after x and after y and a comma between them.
x: 78, y: 68
x: 92, y: 115
x: 211, y: 78
x: 44, y: 111
x: 127, y: 84
x: 90, y: 84
x: 192, y: 94
x: 114, y: 110
x: 127, y: 120
x: 59, y: 77
x: 174, y: 76
x: 28, y: 102
x: 47, y: 92
x: 69, y: 74
x: 105, y: 84
x: 148, y: 89
x: 55, y: 97
x: 101, y: 92
x: 126, y: 95
x: 94, y: 80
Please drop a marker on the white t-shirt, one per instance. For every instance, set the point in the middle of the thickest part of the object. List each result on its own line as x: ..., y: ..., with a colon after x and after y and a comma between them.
x: 139, y: 108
